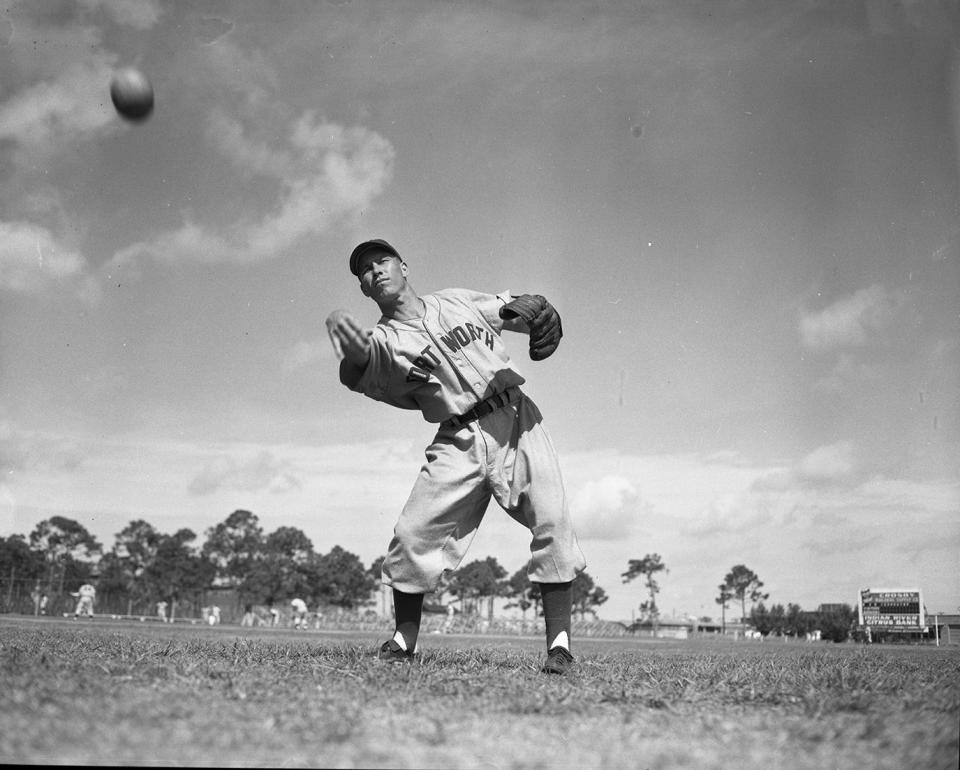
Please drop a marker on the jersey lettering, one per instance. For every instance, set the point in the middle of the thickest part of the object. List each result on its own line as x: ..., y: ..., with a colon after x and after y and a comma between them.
x: 442, y: 363
x: 417, y: 375
x: 459, y: 337
x: 423, y: 364
x: 427, y: 359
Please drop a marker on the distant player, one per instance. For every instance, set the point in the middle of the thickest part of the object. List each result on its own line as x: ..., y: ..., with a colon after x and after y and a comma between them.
x: 86, y: 593
x: 441, y: 354
x: 162, y: 611
x: 298, y: 613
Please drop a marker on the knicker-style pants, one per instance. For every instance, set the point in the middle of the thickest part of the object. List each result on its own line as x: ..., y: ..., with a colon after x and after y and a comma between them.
x: 507, y: 455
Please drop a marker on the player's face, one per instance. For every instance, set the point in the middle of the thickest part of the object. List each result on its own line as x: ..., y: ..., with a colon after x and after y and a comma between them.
x: 382, y: 275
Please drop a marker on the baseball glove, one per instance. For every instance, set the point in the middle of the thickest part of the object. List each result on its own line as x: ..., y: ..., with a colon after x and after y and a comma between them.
x: 541, y: 318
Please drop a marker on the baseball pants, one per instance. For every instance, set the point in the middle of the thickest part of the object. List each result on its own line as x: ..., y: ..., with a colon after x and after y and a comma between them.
x: 506, y: 455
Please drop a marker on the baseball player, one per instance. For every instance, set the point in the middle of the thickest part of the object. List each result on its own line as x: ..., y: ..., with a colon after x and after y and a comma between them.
x: 441, y: 354
x: 86, y: 593
x: 298, y: 613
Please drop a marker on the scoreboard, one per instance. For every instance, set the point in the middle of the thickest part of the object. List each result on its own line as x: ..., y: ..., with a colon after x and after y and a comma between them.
x: 892, y: 609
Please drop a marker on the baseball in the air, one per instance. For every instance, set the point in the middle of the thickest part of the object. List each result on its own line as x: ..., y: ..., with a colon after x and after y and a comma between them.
x: 132, y: 94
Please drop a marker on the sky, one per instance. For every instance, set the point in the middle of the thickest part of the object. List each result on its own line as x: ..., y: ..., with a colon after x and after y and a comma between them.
x: 747, y: 214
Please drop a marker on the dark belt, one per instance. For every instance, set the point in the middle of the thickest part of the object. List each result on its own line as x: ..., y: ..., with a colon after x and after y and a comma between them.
x: 485, y: 407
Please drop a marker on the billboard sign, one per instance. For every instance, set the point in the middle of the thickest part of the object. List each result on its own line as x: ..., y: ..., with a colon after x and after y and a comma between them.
x: 892, y: 609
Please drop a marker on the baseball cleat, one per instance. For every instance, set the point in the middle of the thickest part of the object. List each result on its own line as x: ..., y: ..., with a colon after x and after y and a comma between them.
x: 391, y: 652
x: 559, y: 661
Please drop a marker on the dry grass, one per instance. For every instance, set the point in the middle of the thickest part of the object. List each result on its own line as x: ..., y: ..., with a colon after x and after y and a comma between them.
x: 111, y: 693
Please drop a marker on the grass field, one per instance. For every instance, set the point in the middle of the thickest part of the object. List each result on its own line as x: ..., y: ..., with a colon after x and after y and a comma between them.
x: 127, y: 693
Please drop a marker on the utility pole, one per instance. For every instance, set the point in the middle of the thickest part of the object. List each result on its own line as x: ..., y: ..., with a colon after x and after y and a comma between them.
x: 13, y: 573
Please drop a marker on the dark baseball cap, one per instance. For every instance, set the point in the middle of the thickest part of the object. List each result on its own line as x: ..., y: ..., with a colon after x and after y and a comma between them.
x: 376, y: 244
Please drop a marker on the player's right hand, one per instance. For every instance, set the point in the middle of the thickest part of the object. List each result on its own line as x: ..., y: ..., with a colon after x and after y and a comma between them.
x: 349, y: 339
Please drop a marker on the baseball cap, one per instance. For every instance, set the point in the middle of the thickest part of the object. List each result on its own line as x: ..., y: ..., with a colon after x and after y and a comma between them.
x: 377, y: 244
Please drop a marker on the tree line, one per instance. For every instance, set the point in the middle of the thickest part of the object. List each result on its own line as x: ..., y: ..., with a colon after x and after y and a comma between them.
x: 145, y: 566
x: 834, y: 622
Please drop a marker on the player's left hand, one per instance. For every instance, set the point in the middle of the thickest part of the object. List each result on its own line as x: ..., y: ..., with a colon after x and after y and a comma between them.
x: 541, y: 318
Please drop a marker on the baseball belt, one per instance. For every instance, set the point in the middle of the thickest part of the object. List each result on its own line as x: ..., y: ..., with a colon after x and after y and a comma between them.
x: 485, y: 407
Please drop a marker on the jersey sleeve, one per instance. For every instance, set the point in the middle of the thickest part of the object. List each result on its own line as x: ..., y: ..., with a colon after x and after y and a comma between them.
x: 511, y: 325
x: 487, y: 305
x: 374, y: 380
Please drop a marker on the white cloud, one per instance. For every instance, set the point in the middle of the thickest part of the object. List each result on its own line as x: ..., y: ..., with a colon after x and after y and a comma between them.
x: 60, y: 112
x: 263, y: 471
x: 887, y: 493
x: 32, y: 452
x: 827, y: 464
x: 232, y: 140
x: 32, y: 259
x: 845, y: 371
x: 824, y: 545
x: 326, y: 173
x: 607, y: 509
x: 850, y: 321
x: 138, y: 14
x: 730, y: 513
x: 832, y: 464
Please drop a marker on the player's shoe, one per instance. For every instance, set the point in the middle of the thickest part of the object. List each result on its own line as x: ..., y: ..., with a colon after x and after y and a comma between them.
x: 559, y: 661
x: 391, y: 652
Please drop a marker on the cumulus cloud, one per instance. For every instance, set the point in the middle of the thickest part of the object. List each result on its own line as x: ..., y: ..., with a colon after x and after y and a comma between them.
x: 837, y: 545
x: 32, y: 259
x: 138, y: 14
x: 309, y: 172
x: 248, y: 153
x: 827, y: 464
x: 831, y: 464
x: 847, y: 370
x: 850, y: 321
x: 59, y: 112
x: 64, y: 104
x: 941, y: 499
x: 735, y: 513
x: 325, y: 172
x: 45, y: 454
x: 66, y: 98
x: 608, y: 508
x: 262, y: 472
